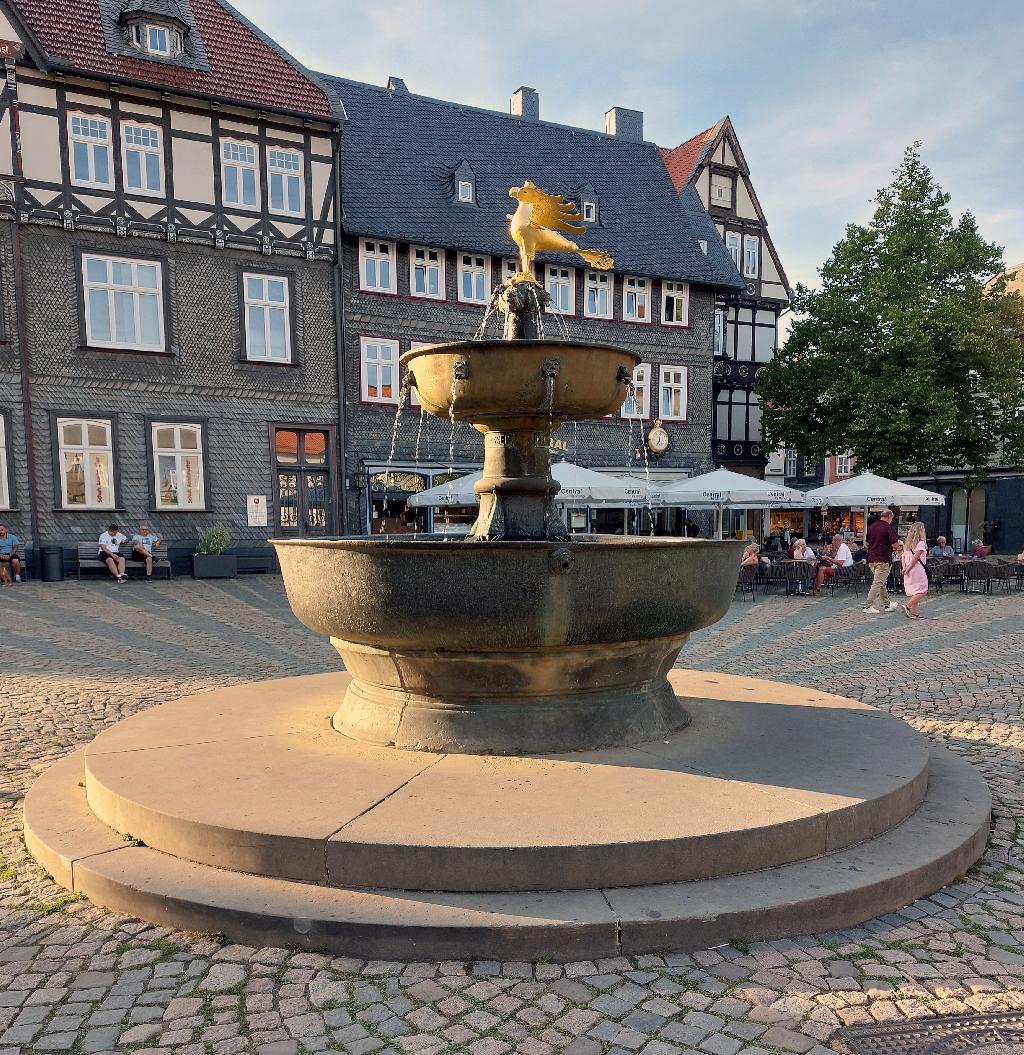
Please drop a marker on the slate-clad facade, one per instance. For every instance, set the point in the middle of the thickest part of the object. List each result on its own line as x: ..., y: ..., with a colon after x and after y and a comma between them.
x: 168, y: 272
x: 425, y: 205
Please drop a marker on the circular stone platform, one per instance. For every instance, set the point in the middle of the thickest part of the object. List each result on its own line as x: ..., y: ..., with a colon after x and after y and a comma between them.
x: 778, y: 810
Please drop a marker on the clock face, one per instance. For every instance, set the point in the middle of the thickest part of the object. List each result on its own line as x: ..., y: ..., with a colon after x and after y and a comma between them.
x: 657, y: 440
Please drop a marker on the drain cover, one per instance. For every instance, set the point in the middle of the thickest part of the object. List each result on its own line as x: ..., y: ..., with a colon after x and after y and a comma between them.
x: 978, y: 1034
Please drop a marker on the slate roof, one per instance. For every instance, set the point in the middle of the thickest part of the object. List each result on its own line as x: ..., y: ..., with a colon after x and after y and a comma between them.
x: 159, y: 8
x: 682, y: 161
x: 226, y: 56
x: 400, y: 152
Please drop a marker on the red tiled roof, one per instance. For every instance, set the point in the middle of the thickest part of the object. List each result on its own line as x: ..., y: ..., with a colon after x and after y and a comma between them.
x: 683, y: 159
x: 243, y: 67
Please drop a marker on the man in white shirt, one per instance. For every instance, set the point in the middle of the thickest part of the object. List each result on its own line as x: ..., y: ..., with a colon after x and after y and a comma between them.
x: 110, y: 551
x: 841, y: 558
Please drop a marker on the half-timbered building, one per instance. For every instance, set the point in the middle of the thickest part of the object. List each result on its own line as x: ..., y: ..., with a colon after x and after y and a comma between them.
x: 713, y: 165
x: 426, y: 209
x: 167, y: 274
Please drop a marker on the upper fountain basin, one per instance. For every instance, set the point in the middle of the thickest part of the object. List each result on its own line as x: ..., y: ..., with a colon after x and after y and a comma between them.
x: 499, y: 385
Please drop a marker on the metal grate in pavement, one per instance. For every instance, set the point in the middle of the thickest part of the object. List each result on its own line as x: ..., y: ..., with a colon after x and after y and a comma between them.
x: 978, y: 1034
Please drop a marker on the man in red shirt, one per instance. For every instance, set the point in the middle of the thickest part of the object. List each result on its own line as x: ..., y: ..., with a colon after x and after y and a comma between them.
x: 882, y: 543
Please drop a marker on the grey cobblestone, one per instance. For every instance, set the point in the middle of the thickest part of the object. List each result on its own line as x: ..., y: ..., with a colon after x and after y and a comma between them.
x: 73, y: 977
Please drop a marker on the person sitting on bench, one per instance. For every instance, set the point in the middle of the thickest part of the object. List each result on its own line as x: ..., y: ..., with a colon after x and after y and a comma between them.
x: 142, y: 547
x: 109, y: 551
x: 9, y: 544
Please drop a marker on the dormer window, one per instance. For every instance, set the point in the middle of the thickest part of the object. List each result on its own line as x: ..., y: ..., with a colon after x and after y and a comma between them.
x: 464, y: 183
x: 160, y: 41
x: 590, y: 212
x: 588, y: 204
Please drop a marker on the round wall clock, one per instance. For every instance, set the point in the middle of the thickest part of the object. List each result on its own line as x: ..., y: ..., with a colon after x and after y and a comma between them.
x: 657, y: 439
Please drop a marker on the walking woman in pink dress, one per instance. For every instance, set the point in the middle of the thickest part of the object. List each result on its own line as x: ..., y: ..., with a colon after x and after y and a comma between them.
x: 915, y: 577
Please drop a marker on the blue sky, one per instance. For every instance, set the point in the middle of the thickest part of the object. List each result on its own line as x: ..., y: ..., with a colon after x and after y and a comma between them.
x: 824, y: 95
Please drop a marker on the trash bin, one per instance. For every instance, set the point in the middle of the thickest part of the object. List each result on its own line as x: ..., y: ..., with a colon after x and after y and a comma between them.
x: 52, y: 560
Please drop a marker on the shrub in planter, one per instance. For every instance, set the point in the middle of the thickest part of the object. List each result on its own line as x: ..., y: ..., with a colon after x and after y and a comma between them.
x: 210, y: 560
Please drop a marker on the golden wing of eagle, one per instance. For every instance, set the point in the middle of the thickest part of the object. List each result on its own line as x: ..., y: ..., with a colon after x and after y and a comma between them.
x: 552, y: 211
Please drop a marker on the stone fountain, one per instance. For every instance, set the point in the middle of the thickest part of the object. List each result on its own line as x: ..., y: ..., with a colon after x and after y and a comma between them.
x: 510, y: 765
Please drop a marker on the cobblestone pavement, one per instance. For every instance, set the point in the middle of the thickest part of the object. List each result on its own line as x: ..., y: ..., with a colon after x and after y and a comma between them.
x: 77, y: 657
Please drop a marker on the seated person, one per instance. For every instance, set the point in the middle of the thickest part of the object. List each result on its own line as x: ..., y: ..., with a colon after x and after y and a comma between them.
x: 109, y: 551
x: 978, y: 551
x: 841, y: 557
x: 861, y: 552
x: 142, y: 547
x: 750, y: 556
x: 801, y: 551
x: 1020, y: 556
x: 941, y: 548
x: 9, y: 544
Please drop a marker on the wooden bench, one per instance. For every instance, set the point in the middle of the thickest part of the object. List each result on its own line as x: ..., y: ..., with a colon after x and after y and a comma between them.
x: 88, y: 561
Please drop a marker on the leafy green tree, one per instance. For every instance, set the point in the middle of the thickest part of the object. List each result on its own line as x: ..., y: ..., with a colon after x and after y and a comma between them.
x: 911, y: 352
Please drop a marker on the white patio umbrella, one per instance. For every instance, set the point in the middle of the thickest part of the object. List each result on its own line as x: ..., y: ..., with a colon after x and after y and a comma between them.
x: 867, y: 490
x: 724, y: 489
x: 579, y: 486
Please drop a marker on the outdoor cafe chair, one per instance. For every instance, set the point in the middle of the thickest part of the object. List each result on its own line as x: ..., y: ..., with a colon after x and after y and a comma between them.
x: 846, y: 578
x: 775, y: 575
x: 799, y: 576
x: 1000, y: 576
x: 746, y: 582
x: 976, y: 577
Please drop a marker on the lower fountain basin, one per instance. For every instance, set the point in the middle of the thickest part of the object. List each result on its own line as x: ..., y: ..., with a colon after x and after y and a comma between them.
x: 508, y: 647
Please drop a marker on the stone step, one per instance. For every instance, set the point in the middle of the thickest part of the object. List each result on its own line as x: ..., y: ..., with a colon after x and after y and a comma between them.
x: 934, y: 846
x: 254, y: 779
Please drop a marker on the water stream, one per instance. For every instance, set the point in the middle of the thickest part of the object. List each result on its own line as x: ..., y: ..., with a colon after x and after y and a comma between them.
x: 403, y: 391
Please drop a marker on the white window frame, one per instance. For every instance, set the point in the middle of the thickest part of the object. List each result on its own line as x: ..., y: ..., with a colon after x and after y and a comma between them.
x: 718, y: 337
x: 285, y: 174
x: 679, y: 293
x: 140, y: 38
x: 113, y: 288
x: 641, y: 394
x: 560, y: 278
x: 428, y: 257
x: 466, y: 191
x: 636, y: 299
x: 844, y: 466
x: 674, y: 379
x: 242, y: 166
x: 719, y: 180
x: 374, y: 251
x: 86, y: 449
x: 5, y: 483
x: 266, y: 306
x: 789, y: 462
x: 509, y: 268
x: 598, y: 282
x: 479, y: 265
x: 590, y: 212
x: 178, y: 452
x: 367, y: 361
x: 93, y: 144
x: 144, y: 151
x: 751, y: 255
x: 732, y: 245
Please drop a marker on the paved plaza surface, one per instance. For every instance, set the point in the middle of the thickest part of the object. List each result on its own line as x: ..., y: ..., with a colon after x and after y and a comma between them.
x: 76, y: 658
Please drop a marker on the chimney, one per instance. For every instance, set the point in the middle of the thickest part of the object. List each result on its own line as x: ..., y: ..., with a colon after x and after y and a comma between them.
x: 525, y: 104
x: 625, y: 124
x: 396, y: 84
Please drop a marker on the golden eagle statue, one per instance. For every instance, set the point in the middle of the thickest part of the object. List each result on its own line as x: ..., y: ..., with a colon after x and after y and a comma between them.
x: 534, y: 227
